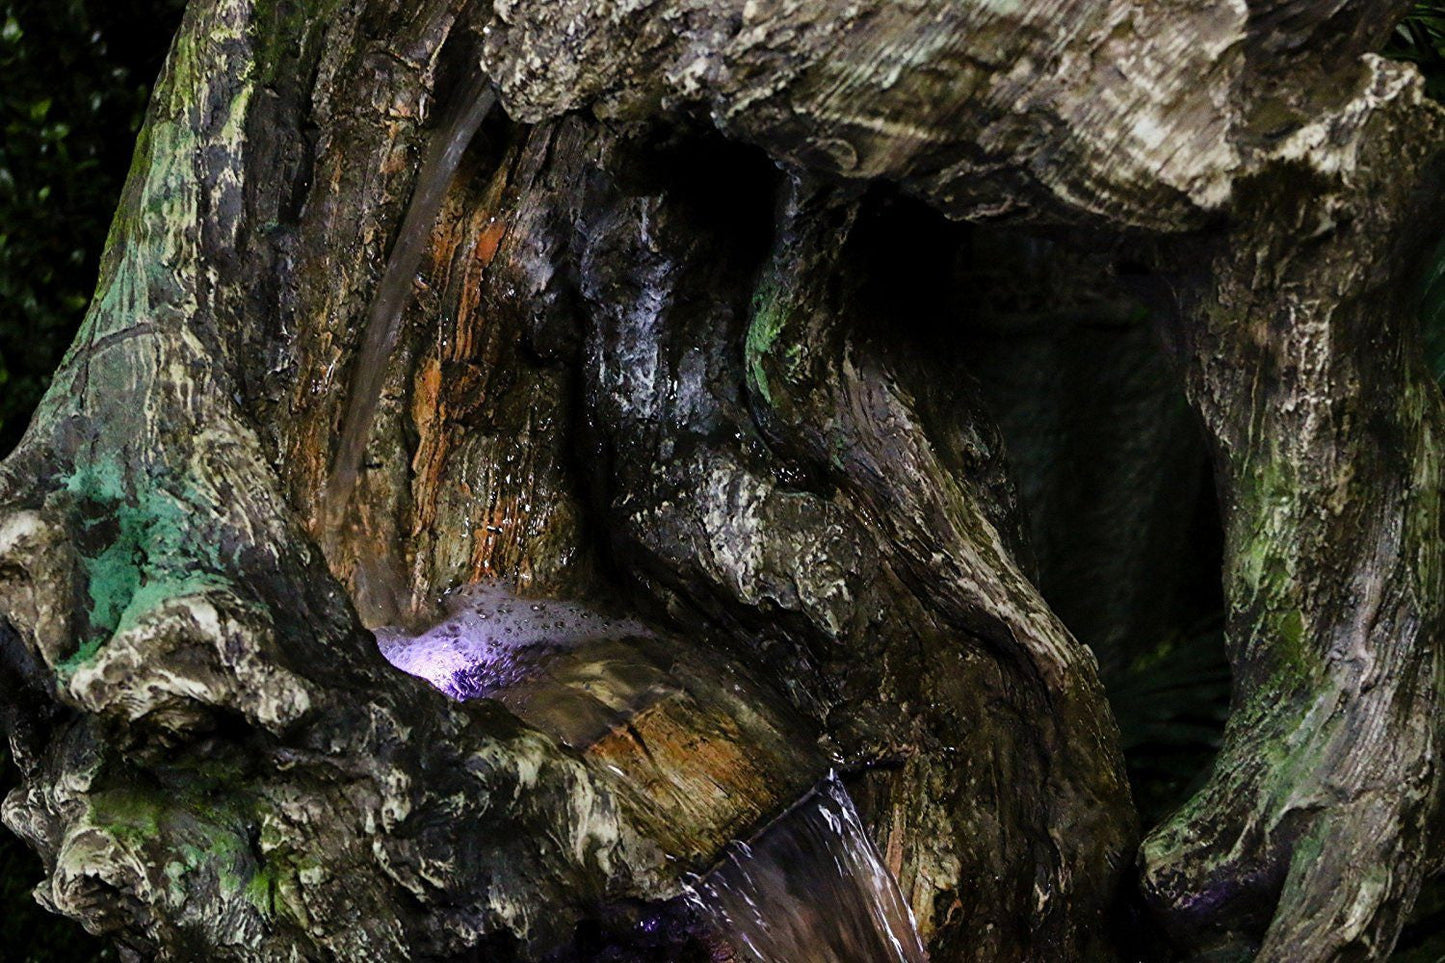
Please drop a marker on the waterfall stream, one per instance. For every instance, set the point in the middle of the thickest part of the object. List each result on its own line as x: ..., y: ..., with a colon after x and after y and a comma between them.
x: 382, y: 326
x: 811, y: 887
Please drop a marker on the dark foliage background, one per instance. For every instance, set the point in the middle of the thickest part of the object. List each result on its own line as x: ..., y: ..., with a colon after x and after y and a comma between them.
x: 77, y: 75
x: 74, y: 79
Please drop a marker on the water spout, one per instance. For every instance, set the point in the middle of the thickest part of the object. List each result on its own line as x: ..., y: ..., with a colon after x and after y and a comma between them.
x: 811, y: 888
x: 444, y: 151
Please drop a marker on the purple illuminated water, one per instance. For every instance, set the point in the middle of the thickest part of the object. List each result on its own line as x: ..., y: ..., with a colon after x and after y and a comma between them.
x: 491, y: 639
x: 812, y: 888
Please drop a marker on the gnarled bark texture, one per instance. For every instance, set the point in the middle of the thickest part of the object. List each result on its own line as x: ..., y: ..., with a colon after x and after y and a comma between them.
x: 653, y: 360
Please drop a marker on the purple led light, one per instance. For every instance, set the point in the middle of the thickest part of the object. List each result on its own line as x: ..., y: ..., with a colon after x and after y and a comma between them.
x: 491, y: 639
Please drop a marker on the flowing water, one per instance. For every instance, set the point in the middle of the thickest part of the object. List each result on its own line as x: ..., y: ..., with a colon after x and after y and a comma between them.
x: 445, y: 147
x: 812, y: 888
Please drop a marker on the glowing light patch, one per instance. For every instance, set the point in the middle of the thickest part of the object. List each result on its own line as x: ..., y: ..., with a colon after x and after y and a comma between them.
x: 491, y: 639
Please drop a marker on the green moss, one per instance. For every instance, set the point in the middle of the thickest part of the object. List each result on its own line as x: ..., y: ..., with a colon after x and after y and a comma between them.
x: 769, y: 318
x: 1263, y: 527
x: 261, y: 889
x: 138, y: 549
x: 199, y: 834
x: 1292, y: 629
x: 221, y: 848
x: 285, y: 28
x: 130, y: 816
x: 1263, y: 572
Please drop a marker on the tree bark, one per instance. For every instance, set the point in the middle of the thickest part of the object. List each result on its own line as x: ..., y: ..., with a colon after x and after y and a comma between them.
x: 1306, y: 361
x: 652, y: 362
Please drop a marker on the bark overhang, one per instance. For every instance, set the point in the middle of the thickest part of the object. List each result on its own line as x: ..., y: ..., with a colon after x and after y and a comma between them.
x: 1120, y: 114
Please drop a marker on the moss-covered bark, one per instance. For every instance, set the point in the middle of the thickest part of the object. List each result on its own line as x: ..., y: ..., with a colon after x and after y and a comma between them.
x: 645, y: 366
x: 1306, y: 361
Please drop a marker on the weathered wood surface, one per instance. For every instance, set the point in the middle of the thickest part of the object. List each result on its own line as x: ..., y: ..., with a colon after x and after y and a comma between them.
x: 1305, y: 359
x: 624, y: 376
x: 835, y: 556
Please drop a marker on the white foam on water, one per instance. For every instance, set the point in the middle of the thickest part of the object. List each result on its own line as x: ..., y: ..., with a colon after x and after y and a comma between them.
x: 490, y: 639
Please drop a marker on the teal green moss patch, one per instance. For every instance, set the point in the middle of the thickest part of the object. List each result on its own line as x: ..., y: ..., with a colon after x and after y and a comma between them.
x: 137, y: 549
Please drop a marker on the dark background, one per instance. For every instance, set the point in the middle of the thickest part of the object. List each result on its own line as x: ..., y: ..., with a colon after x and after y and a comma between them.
x: 75, y: 77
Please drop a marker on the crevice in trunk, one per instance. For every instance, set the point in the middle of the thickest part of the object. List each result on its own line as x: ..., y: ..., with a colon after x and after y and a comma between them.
x: 1057, y: 336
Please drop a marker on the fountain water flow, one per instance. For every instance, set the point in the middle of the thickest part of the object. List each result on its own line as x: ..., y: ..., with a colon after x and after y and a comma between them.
x: 443, y: 155
x: 812, y: 888
x: 492, y: 639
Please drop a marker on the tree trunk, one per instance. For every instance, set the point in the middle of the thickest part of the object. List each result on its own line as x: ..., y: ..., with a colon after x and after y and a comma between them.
x: 681, y: 350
